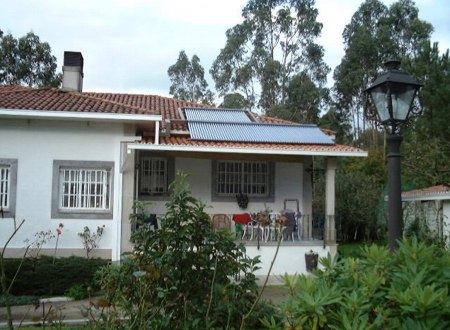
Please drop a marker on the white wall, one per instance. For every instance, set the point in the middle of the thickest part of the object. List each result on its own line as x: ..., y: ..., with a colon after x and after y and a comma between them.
x: 446, y: 219
x: 36, y: 143
x: 290, y: 259
x: 288, y: 185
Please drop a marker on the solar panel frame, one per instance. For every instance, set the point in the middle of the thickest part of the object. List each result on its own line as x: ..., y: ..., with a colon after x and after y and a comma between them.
x: 217, y: 115
x: 258, y: 133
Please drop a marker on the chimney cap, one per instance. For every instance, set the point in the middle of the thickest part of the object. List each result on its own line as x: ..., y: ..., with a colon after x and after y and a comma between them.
x: 73, y: 59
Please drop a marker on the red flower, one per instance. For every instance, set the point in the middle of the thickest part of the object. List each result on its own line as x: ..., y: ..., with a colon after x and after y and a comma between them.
x: 104, y: 226
x: 61, y: 225
x: 58, y: 231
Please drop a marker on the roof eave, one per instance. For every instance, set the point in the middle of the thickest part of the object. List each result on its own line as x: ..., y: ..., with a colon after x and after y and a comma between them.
x: 77, y: 116
x: 246, y: 150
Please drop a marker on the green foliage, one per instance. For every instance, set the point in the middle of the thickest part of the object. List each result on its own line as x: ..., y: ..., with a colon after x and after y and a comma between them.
x: 234, y: 101
x: 273, y: 44
x: 27, y: 61
x: 302, y: 103
x: 188, y: 80
x: 19, y: 300
x: 407, y: 289
x: 43, y: 278
x: 375, y: 34
x: 426, y: 148
x: 90, y: 239
x: 181, y: 276
x: 40, y: 239
x: 77, y: 292
x: 359, y: 197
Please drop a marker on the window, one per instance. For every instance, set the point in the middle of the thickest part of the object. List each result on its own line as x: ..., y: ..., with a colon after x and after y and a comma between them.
x: 82, y: 189
x: 153, y: 175
x: 247, y: 177
x: 4, y: 187
x: 8, y: 181
x: 85, y: 189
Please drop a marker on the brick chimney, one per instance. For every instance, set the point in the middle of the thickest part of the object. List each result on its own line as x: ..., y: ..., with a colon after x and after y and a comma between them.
x: 73, y: 72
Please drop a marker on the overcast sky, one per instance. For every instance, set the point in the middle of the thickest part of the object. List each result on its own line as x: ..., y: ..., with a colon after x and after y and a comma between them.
x: 128, y: 45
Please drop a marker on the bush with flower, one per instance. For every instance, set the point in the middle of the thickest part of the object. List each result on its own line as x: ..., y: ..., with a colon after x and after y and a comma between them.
x: 58, y: 233
x: 91, y: 239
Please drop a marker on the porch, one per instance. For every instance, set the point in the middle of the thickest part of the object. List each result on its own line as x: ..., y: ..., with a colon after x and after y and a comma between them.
x: 270, y: 183
x: 310, y: 234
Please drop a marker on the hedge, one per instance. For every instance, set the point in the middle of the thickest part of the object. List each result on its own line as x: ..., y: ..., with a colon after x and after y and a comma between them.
x: 43, y: 278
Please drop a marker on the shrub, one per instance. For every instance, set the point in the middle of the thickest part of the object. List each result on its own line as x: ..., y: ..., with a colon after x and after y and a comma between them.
x: 407, y: 289
x: 19, y: 300
x: 77, y: 292
x: 43, y: 278
x: 181, y: 276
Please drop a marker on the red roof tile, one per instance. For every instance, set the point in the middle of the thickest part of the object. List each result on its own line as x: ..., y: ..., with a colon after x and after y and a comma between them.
x: 24, y: 98
x: 441, y: 189
x: 18, y: 97
x: 186, y: 141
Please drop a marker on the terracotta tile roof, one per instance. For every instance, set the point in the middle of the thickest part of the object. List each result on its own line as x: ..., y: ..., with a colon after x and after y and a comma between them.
x: 270, y: 120
x: 435, y: 190
x: 165, y: 106
x: 24, y: 98
x: 18, y: 97
x: 186, y: 141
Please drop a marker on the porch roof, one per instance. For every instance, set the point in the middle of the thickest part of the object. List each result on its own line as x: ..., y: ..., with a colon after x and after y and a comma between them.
x: 186, y: 144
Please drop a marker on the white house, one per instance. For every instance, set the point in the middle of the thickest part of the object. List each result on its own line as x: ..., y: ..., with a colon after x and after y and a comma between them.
x: 431, y: 204
x: 81, y: 159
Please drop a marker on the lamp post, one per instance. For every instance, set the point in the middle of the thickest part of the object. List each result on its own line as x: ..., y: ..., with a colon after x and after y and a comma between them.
x: 392, y: 94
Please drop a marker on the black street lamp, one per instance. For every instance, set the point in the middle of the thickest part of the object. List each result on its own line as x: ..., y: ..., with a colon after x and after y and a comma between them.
x: 393, y: 95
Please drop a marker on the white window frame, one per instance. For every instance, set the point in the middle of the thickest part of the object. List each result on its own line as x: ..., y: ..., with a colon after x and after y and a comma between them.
x: 5, y: 183
x: 8, y: 183
x: 154, y: 176
x: 85, y: 189
x: 248, y: 177
x: 82, y: 189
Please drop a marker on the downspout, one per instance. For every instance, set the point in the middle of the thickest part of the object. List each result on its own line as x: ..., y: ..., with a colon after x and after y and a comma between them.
x: 157, y: 133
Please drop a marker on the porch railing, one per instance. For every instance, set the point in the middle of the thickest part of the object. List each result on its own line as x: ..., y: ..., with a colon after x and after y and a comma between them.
x: 306, y: 228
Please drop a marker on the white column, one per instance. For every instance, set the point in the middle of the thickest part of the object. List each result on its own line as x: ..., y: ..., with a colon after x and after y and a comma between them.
x: 330, y: 230
x: 307, y: 199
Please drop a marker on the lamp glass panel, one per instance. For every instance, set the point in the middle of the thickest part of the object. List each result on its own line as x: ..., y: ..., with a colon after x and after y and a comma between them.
x: 402, y: 97
x: 379, y: 97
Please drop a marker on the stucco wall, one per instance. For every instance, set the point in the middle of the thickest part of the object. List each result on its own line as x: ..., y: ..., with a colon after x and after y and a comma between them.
x: 36, y: 144
x: 446, y: 219
x: 289, y: 260
x: 288, y: 185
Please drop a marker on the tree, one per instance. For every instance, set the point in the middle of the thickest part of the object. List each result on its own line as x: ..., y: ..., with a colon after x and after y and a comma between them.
x: 303, y: 101
x: 333, y: 120
x: 426, y: 147
x: 27, y: 61
x: 273, y: 44
x: 181, y: 276
x: 188, y: 80
x: 234, y: 101
x: 374, y: 35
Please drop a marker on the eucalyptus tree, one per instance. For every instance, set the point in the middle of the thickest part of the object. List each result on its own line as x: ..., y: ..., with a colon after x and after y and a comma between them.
x: 375, y: 34
x: 234, y: 101
x: 427, y: 146
x: 303, y: 101
x: 274, y: 43
x: 27, y: 61
x: 188, y: 80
